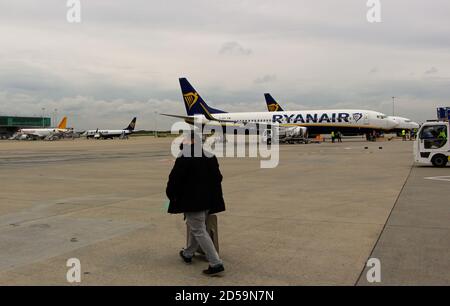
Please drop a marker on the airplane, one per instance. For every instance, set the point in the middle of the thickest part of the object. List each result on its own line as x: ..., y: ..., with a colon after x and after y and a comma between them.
x: 321, y: 121
x: 291, y: 132
x: 402, y: 123
x: 105, y: 134
x: 40, y: 133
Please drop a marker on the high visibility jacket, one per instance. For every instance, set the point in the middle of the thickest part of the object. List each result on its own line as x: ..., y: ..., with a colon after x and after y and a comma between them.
x: 332, y: 134
x: 403, y: 132
x: 442, y: 135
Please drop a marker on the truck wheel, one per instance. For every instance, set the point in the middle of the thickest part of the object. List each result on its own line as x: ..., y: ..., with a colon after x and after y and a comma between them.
x: 439, y: 160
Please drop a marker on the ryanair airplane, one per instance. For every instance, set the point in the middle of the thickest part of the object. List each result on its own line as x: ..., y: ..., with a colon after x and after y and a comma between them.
x: 105, y: 134
x: 401, y: 122
x: 319, y: 121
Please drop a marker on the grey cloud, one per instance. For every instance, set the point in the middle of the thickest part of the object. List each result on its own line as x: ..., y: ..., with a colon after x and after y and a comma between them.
x: 234, y: 48
x: 268, y: 78
x: 432, y: 70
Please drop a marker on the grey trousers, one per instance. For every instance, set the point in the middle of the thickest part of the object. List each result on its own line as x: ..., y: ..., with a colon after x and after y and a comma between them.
x: 198, y: 235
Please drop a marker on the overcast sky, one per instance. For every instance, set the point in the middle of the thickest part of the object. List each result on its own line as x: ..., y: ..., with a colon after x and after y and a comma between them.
x: 125, y: 57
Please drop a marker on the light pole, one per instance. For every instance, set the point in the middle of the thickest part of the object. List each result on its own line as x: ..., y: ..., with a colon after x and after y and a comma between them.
x: 43, y: 120
x: 56, y: 117
x: 393, y: 106
x: 156, y: 124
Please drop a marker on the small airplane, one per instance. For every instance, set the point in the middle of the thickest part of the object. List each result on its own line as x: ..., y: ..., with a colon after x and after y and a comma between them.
x: 322, y: 121
x: 105, y: 134
x: 41, y: 133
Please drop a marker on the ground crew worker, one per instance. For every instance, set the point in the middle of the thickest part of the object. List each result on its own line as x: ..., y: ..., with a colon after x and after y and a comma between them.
x: 332, y: 136
x: 404, y: 135
x: 194, y: 188
x: 413, y: 134
x: 339, y: 136
x: 442, y: 135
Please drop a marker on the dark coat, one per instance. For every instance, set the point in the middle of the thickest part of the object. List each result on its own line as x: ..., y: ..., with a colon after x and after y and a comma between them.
x: 195, y: 185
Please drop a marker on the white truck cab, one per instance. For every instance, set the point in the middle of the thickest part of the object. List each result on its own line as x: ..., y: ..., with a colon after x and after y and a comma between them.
x: 432, y: 145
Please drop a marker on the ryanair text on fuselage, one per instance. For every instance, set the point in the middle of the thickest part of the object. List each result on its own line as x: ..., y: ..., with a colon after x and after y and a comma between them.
x: 314, y: 118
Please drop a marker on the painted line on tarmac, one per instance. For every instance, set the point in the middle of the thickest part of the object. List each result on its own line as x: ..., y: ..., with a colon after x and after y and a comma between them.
x: 438, y: 178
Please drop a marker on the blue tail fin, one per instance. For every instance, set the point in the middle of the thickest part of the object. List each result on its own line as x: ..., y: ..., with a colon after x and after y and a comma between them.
x: 193, y: 102
x: 132, y: 125
x: 272, y: 105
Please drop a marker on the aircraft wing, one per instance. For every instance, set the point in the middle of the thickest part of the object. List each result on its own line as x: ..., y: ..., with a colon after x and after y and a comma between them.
x: 178, y: 116
x: 191, y: 119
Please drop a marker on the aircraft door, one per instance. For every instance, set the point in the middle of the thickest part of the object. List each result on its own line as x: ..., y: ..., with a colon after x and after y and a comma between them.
x: 366, y: 119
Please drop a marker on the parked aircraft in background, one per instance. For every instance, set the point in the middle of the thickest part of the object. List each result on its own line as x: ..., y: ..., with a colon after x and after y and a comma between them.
x: 404, y: 124
x: 41, y: 133
x: 401, y: 122
x: 105, y: 134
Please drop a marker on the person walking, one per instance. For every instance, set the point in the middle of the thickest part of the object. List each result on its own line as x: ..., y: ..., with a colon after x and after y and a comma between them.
x: 194, y: 188
x: 333, y: 136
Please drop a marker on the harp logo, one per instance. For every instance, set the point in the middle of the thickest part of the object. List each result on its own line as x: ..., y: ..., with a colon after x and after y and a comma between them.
x: 273, y: 107
x: 190, y: 99
x: 357, y: 116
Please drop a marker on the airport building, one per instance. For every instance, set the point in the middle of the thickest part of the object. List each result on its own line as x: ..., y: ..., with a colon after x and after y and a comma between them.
x: 10, y: 124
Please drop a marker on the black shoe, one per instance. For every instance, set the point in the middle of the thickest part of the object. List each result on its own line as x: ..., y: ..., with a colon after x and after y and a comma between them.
x: 214, y: 270
x: 186, y: 259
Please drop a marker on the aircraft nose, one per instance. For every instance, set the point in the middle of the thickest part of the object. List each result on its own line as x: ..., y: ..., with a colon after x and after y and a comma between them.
x: 391, y: 123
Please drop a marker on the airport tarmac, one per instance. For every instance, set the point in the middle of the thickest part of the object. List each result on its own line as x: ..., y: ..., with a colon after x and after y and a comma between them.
x: 313, y: 220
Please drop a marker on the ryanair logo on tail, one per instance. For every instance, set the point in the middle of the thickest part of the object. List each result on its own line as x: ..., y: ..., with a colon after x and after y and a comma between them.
x: 190, y: 99
x: 273, y: 107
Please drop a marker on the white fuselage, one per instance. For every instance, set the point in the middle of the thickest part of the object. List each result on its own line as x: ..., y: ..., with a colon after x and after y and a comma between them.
x: 42, y: 133
x: 329, y: 119
x: 404, y: 123
x: 107, y: 133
